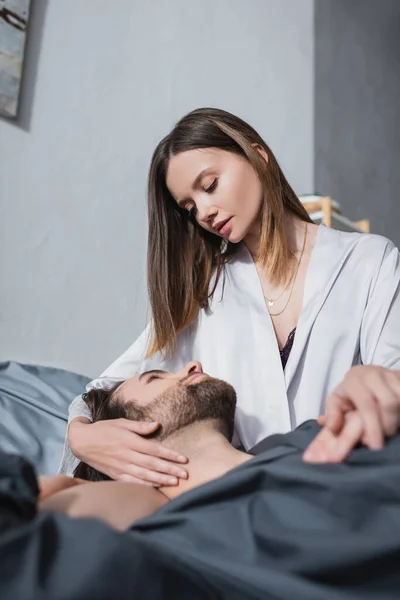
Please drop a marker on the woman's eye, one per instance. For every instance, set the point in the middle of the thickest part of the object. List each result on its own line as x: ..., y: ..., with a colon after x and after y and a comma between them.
x: 212, y: 187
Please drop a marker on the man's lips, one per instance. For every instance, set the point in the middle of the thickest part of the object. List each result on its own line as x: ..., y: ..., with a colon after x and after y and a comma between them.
x: 194, y: 377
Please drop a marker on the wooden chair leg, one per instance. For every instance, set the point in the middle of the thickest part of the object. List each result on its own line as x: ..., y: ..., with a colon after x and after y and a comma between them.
x: 326, y: 208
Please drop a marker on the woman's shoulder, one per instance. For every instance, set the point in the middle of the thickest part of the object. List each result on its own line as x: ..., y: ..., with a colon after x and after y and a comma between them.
x: 373, y: 242
x: 367, y: 244
x: 364, y: 259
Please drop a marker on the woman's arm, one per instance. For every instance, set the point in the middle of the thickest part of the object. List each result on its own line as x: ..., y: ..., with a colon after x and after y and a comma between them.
x: 372, y: 389
x: 380, y: 329
x: 118, y: 504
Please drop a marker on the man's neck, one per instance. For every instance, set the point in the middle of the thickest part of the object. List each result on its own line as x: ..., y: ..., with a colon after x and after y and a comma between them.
x: 210, y: 456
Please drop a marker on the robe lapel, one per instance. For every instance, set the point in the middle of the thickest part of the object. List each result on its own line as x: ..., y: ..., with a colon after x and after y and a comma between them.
x: 269, y: 381
x: 327, y: 258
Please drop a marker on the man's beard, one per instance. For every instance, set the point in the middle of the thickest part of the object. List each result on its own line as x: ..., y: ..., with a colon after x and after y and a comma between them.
x: 181, y: 406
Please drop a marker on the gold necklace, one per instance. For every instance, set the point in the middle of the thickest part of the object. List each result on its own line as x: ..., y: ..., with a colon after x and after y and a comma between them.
x: 294, y: 279
x: 271, y: 301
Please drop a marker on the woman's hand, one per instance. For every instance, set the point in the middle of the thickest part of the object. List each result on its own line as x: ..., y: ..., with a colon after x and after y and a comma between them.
x: 118, y: 449
x: 329, y: 447
x: 371, y: 392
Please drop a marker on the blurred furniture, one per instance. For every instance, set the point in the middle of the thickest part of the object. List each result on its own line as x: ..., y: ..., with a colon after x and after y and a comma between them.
x: 323, y: 209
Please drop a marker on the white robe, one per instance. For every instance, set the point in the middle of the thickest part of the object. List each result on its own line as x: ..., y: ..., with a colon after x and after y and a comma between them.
x: 350, y: 315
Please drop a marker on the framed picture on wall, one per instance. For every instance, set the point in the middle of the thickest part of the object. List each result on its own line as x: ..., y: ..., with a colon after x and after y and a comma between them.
x: 14, y: 16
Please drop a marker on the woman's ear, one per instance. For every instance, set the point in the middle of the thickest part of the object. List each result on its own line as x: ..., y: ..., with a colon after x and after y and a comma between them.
x: 261, y: 151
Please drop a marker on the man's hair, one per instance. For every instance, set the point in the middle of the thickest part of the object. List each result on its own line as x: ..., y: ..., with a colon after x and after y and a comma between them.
x: 104, y: 404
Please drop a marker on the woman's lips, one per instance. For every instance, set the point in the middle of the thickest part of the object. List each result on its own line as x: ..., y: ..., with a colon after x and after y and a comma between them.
x: 225, y: 229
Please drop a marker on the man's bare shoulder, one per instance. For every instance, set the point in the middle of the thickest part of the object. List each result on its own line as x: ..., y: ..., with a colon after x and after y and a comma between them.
x: 118, y: 503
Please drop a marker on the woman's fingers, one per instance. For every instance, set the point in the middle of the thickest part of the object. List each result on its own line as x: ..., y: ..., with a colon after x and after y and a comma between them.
x: 161, y: 466
x: 348, y: 438
x: 373, y: 429
x: 321, y: 447
x: 354, y: 393
x: 146, y: 476
x: 121, y: 470
x: 152, y: 447
x: 329, y: 447
x: 150, y: 468
x: 337, y: 405
x: 133, y: 479
x: 334, y: 417
x: 389, y: 409
x: 387, y: 389
x: 143, y: 459
x: 140, y: 427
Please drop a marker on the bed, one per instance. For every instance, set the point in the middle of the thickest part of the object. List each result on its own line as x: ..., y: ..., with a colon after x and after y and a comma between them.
x: 274, y: 528
x: 34, y: 404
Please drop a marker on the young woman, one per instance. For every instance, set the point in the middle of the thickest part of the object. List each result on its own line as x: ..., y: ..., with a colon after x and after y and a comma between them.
x: 241, y: 279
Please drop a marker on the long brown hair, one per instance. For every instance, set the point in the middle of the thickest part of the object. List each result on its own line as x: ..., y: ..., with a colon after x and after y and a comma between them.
x: 183, y: 257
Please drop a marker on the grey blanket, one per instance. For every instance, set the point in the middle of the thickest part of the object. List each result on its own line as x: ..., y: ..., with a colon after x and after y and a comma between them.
x: 274, y: 528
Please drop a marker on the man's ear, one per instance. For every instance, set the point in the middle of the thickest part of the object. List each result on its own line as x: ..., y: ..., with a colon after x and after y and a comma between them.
x: 261, y: 151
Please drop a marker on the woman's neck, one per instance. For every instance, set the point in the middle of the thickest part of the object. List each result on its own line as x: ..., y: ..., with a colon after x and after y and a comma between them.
x: 294, y: 231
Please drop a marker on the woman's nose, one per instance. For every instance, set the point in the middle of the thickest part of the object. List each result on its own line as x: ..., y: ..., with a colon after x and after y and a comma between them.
x: 205, y: 211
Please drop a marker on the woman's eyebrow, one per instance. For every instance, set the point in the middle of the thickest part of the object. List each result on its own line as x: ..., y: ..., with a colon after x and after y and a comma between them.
x: 153, y: 372
x: 194, y: 185
x: 199, y: 177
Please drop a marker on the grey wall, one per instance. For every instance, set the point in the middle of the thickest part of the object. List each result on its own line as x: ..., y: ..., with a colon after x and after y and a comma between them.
x: 104, y: 82
x: 357, y: 108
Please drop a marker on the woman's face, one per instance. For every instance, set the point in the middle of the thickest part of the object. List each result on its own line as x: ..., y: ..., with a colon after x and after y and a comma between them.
x: 220, y: 189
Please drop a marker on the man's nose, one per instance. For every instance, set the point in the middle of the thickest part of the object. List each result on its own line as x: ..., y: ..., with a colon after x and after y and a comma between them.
x: 193, y: 367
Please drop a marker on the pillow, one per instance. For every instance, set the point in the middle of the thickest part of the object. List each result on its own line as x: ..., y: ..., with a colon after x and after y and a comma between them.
x: 34, y: 403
